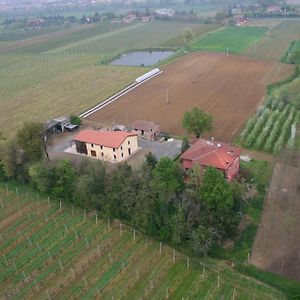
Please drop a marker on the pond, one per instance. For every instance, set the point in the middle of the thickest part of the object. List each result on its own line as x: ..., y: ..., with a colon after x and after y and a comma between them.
x: 141, y: 58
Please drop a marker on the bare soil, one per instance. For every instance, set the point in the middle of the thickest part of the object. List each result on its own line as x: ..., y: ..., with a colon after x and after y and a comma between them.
x: 228, y: 88
x: 277, y: 244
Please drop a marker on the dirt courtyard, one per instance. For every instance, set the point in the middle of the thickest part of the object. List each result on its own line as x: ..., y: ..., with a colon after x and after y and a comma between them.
x: 229, y: 88
x: 277, y: 243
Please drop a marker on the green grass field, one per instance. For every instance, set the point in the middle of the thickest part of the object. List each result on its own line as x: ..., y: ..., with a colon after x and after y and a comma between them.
x: 65, y: 253
x: 236, y: 39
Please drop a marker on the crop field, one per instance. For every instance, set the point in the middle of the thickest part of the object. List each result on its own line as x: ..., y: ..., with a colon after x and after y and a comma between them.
x: 69, y: 93
x: 228, y: 88
x: 277, y: 242
x: 276, y: 42
x: 236, y: 39
x: 57, y: 252
x: 267, y: 22
x: 138, y: 36
x: 275, y: 122
x: 42, y: 76
x: 178, y: 40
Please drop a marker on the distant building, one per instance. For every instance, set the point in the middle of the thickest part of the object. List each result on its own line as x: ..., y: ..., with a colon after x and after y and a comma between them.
x: 165, y: 12
x: 221, y: 156
x: 146, y: 19
x: 129, y: 19
x: 113, y: 146
x: 273, y: 9
x: 115, y: 21
x: 36, y: 22
x: 148, y: 129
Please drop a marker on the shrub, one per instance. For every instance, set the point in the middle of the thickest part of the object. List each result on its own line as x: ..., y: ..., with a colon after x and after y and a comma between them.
x: 75, y: 120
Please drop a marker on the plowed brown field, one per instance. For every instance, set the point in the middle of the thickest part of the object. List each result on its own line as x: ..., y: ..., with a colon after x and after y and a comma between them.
x: 228, y: 88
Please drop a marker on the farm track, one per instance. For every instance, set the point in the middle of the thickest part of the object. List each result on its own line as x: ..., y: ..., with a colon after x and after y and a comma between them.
x: 65, y: 255
x: 229, y: 88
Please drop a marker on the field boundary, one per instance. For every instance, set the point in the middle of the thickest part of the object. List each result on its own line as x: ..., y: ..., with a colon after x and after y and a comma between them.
x: 116, y: 96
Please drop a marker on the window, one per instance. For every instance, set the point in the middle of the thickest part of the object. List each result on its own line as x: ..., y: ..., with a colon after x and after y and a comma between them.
x: 93, y: 153
x: 114, y: 149
x: 128, y: 142
x: 101, y: 147
x: 115, y: 157
x: 121, y: 147
x: 92, y: 145
x: 122, y: 155
x: 102, y: 153
x: 129, y: 151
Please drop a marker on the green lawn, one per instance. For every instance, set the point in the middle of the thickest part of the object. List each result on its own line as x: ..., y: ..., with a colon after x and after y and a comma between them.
x: 236, y: 39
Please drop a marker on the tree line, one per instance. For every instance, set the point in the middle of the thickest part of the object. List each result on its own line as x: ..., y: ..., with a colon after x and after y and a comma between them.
x: 157, y: 198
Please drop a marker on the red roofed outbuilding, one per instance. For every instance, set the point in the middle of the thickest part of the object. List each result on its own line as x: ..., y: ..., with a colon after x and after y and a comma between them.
x: 113, y: 146
x: 221, y: 156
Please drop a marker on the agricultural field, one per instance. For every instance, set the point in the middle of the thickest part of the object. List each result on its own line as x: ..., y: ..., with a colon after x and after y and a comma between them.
x: 275, y: 122
x: 178, y: 40
x: 236, y: 39
x: 69, y: 93
x: 261, y: 22
x: 228, y: 88
x: 277, y: 242
x: 276, y: 42
x: 50, y: 250
x: 50, y: 68
x: 138, y: 36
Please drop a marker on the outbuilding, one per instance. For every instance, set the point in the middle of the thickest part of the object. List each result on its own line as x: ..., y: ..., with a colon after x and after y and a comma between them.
x: 113, y: 146
x: 148, y: 129
x: 221, y: 156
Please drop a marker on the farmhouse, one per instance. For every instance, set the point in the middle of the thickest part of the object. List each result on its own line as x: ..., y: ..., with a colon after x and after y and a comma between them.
x: 221, y: 156
x: 148, y: 129
x: 113, y: 146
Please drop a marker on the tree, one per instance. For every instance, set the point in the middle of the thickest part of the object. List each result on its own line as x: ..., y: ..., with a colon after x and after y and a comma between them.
x: 216, y: 192
x: 197, y: 121
x: 64, y: 180
x: 96, y: 17
x: 295, y: 57
x: 185, y: 144
x: 201, y: 240
x: 168, y: 176
x: 188, y: 36
x: 178, y: 224
x: 30, y: 139
x: 75, y: 120
x: 90, y: 186
x: 42, y: 176
x: 13, y: 160
x: 150, y: 160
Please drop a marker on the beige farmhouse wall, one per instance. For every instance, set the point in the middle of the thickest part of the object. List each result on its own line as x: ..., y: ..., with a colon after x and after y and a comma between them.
x: 129, y: 145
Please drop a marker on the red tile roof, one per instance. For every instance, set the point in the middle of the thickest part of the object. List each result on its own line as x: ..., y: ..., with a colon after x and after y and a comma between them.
x: 111, y: 139
x: 144, y: 125
x: 209, y: 153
